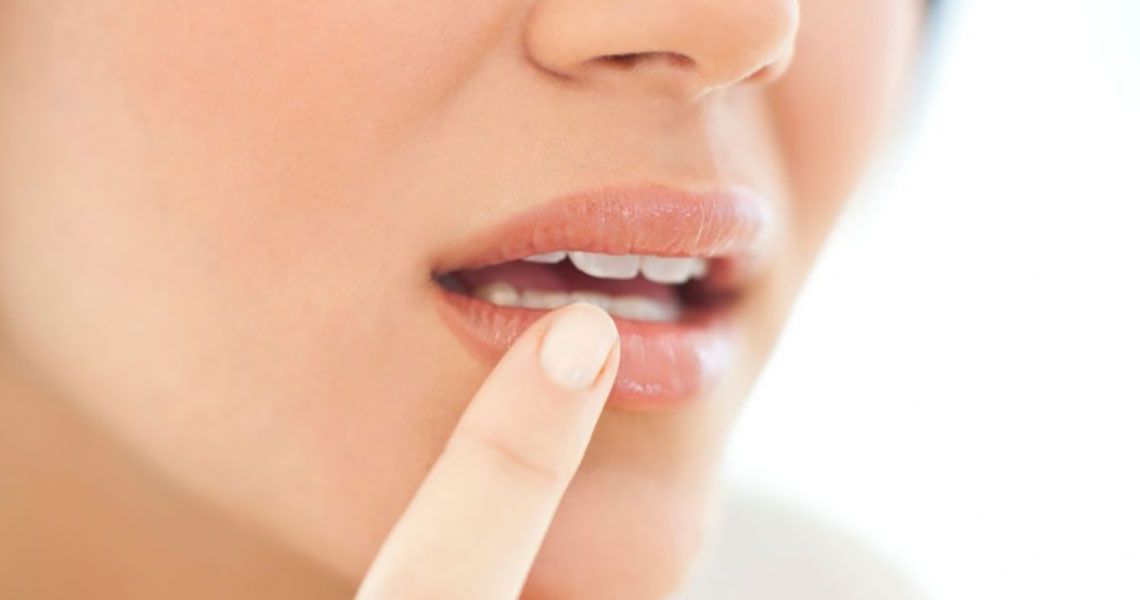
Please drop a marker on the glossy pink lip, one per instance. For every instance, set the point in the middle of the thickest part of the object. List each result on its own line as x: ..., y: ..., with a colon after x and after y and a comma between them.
x: 663, y: 365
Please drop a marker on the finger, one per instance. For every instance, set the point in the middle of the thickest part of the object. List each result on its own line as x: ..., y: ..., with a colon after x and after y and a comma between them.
x: 477, y: 521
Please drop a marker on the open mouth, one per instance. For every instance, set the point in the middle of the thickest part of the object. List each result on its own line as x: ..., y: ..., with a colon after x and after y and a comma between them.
x: 655, y: 289
x: 667, y: 265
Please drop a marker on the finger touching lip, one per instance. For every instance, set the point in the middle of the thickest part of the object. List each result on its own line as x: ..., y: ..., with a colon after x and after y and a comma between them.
x: 666, y: 264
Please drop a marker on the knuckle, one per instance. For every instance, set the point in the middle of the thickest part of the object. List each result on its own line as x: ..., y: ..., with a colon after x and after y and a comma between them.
x: 512, y: 461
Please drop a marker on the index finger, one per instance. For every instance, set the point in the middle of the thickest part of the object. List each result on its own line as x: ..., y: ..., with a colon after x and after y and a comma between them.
x: 476, y: 523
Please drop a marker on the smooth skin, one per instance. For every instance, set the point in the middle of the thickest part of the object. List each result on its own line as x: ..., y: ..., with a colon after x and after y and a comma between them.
x: 222, y: 372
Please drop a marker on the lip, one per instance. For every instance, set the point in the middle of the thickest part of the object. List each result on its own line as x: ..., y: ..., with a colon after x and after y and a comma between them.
x: 663, y: 365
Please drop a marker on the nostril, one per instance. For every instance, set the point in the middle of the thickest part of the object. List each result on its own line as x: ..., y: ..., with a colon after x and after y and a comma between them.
x: 681, y: 48
x: 762, y: 74
x: 771, y: 72
x: 628, y: 61
x: 621, y: 61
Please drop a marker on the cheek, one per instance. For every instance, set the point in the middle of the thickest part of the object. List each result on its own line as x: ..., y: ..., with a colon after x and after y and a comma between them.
x: 218, y: 166
x: 214, y: 272
x: 286, y: 106
x: 853, y: 60
x: 214, y: 64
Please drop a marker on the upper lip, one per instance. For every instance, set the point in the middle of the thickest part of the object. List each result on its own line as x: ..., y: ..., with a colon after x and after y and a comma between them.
x: 643, y: 219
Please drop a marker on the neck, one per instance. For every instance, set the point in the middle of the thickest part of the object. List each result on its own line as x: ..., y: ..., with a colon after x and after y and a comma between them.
x: 81, y: 517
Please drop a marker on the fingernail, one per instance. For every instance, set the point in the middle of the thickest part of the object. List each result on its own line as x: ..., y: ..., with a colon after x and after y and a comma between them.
x: 577, y: 345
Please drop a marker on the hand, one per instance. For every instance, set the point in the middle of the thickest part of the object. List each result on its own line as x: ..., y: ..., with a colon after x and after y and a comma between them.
x: 479, y: 517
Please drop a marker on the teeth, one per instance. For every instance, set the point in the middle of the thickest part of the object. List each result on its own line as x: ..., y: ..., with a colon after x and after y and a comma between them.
x: 544, y: 300
x: 635, y: 308
x: 499, y: 294
x: 549, y: 258
x: 602, y: 301
x: 701, y: 269
x: 607, y: 266
x: 659, y: 269
x: 670, y: 270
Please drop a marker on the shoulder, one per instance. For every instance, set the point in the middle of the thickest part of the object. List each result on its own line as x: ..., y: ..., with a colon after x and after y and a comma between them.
x: 764, y: 548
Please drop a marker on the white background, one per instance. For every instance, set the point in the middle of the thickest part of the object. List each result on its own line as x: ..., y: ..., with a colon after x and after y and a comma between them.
x: 960, y: 383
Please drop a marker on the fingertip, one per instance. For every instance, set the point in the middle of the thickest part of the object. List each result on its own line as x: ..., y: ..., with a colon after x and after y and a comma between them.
x: 580, y: 341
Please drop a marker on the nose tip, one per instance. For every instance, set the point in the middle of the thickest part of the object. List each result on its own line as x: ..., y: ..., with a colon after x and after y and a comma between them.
x: 689, y: 44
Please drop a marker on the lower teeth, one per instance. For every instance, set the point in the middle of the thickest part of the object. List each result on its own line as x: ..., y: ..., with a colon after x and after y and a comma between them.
x: 637, y: 308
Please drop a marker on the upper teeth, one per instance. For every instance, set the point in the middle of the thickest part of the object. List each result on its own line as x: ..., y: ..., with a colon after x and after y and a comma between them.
x: 548, y: 258
x: 658, y: 269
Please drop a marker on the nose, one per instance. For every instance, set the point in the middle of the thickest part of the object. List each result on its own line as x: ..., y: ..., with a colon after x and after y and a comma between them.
x: 687, y: 45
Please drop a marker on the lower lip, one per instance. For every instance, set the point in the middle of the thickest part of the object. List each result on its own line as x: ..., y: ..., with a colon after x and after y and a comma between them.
x: 663, y: 365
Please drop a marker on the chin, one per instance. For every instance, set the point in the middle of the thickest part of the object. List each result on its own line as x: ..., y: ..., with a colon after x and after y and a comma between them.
x: 637, y: 515
x: 617, y: 539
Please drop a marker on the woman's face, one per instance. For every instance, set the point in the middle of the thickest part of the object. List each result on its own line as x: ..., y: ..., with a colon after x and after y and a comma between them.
x: 234, y: 233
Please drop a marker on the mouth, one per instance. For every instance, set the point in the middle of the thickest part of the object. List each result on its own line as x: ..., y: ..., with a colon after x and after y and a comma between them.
x: 667, y: 265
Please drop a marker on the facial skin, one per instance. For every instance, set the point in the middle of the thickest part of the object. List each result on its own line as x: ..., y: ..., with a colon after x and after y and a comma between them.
x: 218, y: 222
